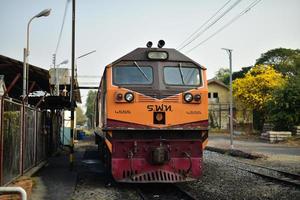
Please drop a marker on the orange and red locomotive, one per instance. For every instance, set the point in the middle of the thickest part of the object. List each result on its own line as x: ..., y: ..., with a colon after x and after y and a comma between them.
x: 152, y: 116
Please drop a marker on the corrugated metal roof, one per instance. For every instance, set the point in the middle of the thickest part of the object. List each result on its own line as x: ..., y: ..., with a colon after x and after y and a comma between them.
x: 10, y: 68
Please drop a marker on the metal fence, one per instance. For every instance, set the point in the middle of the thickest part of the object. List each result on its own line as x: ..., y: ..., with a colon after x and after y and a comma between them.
x: 25, y: 135
x: 219, y: 117
x: 41, y: 140
x: 11, y: 140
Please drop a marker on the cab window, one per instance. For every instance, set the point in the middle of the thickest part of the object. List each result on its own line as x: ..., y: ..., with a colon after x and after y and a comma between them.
x: 185, y: 76
x: 132, y: 75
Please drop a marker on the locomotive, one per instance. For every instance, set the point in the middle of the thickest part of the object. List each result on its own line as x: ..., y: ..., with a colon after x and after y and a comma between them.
x: 152, y: 116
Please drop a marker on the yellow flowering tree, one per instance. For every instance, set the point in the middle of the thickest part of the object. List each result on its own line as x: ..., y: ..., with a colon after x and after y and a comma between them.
x: 256, y: 88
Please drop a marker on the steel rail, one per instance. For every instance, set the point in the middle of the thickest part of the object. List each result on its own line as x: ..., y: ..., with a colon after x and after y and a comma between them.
x: 272, y: 169
x: 188, y: 194
x: 176, y: 192
x: 289, y: 178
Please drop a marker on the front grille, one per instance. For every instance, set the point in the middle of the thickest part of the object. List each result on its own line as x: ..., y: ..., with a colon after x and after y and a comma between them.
x: 157, y: 176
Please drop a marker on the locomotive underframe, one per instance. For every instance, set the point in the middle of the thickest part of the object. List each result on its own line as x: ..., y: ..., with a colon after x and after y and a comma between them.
x: 155, y: 155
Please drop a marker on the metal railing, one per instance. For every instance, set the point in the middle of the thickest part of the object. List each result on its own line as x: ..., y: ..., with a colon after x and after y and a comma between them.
x: 24, y: 138
x: 12, y: 190
x: 219, y: 116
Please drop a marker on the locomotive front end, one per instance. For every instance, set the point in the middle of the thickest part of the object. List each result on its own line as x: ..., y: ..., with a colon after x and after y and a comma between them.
x: 155, y: 116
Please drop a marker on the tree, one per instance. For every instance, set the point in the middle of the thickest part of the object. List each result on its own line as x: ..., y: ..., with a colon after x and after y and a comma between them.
x: 282, y: 59
x: 256, y: 88
x: 223, y: 75
x: 80, y: 117
x: 284, y: 110
x: 90, y: 107
x: 241, y: 73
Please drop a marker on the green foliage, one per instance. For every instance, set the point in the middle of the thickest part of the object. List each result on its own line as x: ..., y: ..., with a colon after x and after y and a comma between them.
x: 80, y: 117
x: 241, y: 73
x: 284, y: 110
x: 223, y: 75
x: 282, y: 59
x: 90, y: 107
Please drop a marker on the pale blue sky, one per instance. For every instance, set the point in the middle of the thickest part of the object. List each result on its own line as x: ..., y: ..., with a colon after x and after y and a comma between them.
x: 116, y: 27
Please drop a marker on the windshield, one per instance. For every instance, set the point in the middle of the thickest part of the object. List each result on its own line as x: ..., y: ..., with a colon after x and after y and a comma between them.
x: 132, y: 74
x: 181, y: 75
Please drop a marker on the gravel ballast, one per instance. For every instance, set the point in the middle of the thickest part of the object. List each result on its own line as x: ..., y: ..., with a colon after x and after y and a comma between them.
x: 221, y: 180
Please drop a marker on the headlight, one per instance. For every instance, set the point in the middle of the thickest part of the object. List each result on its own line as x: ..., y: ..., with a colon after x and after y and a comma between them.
x: 129, y: 97
x: 157, y: 55
x: 197, y: 97
x: 188, y: 97
x: 119, y: 97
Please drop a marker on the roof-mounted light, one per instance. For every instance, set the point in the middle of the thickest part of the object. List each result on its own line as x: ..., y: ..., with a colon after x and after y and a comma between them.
x: 157, y: 55
x: 149, y: 44
x: 161, y: 44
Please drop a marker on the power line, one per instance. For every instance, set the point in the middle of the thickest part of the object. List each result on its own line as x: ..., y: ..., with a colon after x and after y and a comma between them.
x: 62, y: 26
x: 212, y: 23
x: 254, y: 3
x: 203, y: 25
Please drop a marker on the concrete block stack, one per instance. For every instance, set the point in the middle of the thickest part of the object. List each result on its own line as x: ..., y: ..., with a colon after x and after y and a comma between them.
x: 276, y: 136
x: 267, y: 127
x: 297, y: 130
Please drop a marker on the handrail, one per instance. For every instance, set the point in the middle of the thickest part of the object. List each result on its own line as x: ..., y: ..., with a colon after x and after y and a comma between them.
x: 14, y: 190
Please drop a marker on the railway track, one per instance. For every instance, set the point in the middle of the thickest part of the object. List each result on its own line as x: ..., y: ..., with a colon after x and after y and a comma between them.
x: 163, y: 192
x: 271, y: 173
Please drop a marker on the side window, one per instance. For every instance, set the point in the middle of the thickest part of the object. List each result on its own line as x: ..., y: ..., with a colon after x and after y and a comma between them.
x: 209, y: 95
x: 215, y: 95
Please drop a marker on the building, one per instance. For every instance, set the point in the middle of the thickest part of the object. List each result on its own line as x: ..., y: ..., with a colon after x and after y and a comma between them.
x: 218, y: 98
x: 218, y: 104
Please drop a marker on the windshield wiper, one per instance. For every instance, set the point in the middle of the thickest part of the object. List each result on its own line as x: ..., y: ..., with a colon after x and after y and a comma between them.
x: 181, y: 74
x: 141, y: 71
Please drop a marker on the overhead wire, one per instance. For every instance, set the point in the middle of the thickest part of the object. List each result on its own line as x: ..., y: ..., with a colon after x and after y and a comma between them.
x: 212, y: 23
x: 254, y: 3
x: 62, y: 26
x: 217, y: 12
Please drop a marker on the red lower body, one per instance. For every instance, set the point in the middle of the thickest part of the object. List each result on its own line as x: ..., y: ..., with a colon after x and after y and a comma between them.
x: 171, y: 160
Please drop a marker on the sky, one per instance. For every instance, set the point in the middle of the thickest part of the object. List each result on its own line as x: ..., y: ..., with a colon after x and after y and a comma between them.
x: 116, y: 27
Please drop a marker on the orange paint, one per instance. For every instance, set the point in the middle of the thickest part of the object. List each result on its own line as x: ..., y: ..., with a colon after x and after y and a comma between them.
x: 138, y: 111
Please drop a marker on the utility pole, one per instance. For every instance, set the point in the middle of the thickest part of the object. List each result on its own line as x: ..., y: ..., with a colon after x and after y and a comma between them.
x: 72, y: 89
x: 229, y: 51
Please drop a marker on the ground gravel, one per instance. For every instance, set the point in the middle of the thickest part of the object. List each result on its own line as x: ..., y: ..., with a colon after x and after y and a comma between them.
x: 221, y: 180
